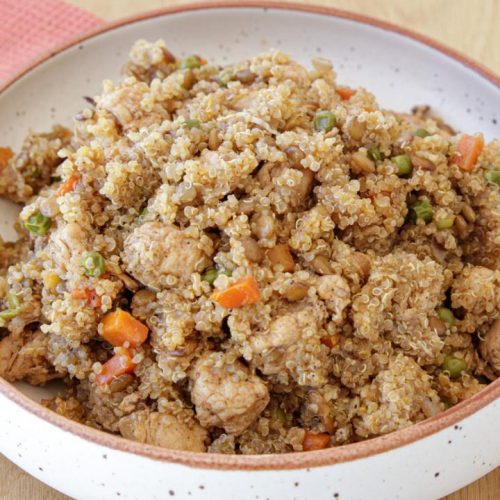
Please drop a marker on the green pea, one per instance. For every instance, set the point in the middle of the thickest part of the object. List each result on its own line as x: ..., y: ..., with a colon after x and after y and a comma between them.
x: 279, y: 414
x: 38, y: 224
x: 36, y: 173
x: 374, y: 154
x: 454, y: 366
x: 12, y: 300
x: 403, y: 164
x: 210, y: 275
x: 324, y: 121
x: 14, y: 308
x: 444, y: 223
x: 9, y: 313
x: 94, y: 264
x: 445, y: 314
x: 422, y: 209
x: 224, y: 77
x: 447, y: 404
x: 492, y: 176
x: 143, y: 214
x: 190, y: 62
x: 421, y: 132
x: 191, y: 123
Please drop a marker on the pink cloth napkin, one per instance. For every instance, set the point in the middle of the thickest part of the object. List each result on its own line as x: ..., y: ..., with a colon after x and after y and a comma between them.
x: 29, y: 28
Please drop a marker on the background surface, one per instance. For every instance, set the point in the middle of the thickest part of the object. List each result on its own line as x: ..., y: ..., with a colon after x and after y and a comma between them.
x: 469, y: 27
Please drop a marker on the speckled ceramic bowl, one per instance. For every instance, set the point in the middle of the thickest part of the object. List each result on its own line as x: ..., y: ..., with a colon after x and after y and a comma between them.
x: 427, y: 460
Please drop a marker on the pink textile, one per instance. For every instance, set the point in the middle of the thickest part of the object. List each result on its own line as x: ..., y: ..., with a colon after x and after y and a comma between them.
x: 29, y: 28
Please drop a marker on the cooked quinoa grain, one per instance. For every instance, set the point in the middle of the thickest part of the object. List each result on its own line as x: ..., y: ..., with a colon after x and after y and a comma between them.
x: 250, y: 259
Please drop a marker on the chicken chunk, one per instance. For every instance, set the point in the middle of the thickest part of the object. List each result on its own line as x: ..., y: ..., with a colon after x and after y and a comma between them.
x: 490, y: 346
x: 226, y: 394
x: 123, y: 102
x: 291, y: 345
x: 153, y: 251
x: 25, y: 358
x: 477, y: 290
x: 162, y: 429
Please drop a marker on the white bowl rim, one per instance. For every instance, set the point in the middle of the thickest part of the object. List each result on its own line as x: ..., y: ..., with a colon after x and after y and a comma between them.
x: 286, y: 461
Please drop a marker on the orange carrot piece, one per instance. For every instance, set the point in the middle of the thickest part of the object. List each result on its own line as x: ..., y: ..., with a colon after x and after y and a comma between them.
x: 69, y: 185
x: 120, y: 326
x: 241, y: 293
x: 5, y: 155
x: 116, y: 366
x: 90, y: 296
x: 345, y: 93
x: 313, y: 441
x: 469, y: 148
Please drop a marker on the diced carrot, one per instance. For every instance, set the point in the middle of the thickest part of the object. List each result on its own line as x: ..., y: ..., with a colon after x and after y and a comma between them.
x: 116, y: 366
x: 89, y: 295
x: 120, y: 326
x: 469, y: 148
x: 241, y: 293
x: 69, y: 185
x: 203, y: 61
x: 5, y: 155
x: 345, y: 93
x: 331, y: 341
x: 316, y: 441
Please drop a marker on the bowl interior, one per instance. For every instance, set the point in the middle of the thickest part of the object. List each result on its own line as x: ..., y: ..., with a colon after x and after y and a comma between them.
x: 400, y: 71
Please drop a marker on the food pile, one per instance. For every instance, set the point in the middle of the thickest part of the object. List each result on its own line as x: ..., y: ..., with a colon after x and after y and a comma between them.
x: 250, y: 259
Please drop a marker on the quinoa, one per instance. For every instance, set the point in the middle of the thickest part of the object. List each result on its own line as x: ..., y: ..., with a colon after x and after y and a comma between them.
x: 297, y: 281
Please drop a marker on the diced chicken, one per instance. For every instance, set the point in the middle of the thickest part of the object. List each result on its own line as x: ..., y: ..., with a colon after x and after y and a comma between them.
x: 283, y: 332
x: 490, y: 346
x: 165, y: 430
x: 226, y: 394
x: 124, y: 103
x: 67, y: 241
x: 291, y: 345
x: 477, y: 290
x: 153, y: 251
x: 24, y: 358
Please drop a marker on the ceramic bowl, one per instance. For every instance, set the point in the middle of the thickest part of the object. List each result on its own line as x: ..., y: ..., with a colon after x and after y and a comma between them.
x: 427, y: 460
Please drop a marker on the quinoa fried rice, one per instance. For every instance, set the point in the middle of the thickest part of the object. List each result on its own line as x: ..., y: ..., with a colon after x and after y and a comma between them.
x: 250, y: 259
